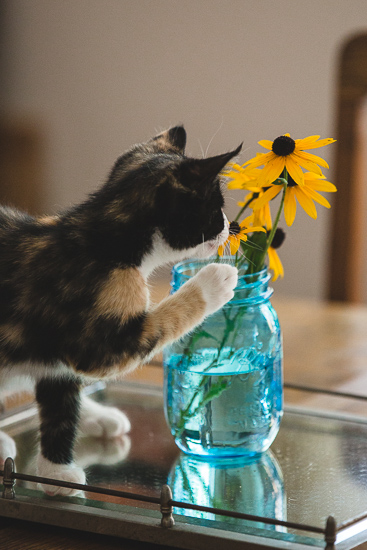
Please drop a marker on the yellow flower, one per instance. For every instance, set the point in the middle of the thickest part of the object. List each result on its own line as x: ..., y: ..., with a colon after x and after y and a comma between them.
x: 275, y: 264
x: 240, y: 180
x: 305, y: 195
x: 261, y: 216
x: 237, y: 233
x: 288, y: 153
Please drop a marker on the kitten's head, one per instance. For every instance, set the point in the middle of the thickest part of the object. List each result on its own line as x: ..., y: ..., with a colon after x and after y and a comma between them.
x: 170, y: 205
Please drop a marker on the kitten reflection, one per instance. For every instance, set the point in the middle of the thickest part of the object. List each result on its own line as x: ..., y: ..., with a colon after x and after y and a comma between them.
x: 89, y: 452
x: 249, y: 486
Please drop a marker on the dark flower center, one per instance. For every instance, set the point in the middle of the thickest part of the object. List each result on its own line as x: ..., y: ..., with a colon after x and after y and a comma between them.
x: 283, y: 146
x: 234, y: 228
x: 278, y: 239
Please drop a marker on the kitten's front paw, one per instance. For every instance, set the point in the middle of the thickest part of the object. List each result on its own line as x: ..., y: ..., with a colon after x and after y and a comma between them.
x: 61, y: 472
x: 217, y: 282
x: 98, y: 420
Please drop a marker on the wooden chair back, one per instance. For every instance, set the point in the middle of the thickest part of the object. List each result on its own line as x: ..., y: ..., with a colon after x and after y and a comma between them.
x: 348, y: 239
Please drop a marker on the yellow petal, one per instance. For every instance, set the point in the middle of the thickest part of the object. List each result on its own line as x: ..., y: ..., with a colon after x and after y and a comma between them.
x: 275, y: 264
x: 247, y: 221
x: 317, y: 197
x: 306, y: 163
x: 295, y: 171
x: 222, y: 247
x: 253, y: 229
x: 290, y: 206
x: 316, y: 144
x: 320, y: 185
x: 266, y: 143
x: 259, y: 217
x: 234, y: 243
x: 259, y: 160
x: 266, y: 213
x: 306, y: 143
x: 267, y: 196
x: 235, y: 166
x: 312, y: 176
x: 235, y: 184
x: 312, y: 158
x: 272, y: 171
x: 306, y: 202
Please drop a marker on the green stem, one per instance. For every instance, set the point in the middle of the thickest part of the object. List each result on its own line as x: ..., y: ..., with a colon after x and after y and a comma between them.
x: 276, y: 221
x: 186, y: 414
x: 243, y: 209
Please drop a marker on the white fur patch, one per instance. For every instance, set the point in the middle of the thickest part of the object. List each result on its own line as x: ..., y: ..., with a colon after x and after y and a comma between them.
x: 98, y: 420
x: 217, y: 282
x: 161, y: 253
x: 62, y: 472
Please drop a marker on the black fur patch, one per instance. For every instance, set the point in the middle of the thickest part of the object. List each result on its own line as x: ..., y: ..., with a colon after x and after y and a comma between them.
x: 59, y: 405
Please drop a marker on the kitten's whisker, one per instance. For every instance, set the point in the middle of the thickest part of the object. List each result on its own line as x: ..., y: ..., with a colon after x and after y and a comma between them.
x: 201, y: 148
x: 253, y: 245
x: 210, y: 142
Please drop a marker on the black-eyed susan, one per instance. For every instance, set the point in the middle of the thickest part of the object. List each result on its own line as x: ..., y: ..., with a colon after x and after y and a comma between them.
x: 306, y: 195
x: 238, y: 232
x: 262, y: 215
x: 287, y: 153
x: 241, y: 180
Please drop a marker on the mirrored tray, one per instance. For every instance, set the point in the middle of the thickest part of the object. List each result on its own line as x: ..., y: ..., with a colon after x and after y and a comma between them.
x: 316, y: 468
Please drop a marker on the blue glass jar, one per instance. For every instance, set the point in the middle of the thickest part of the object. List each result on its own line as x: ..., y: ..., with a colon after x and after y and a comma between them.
x: 251, y: 486
x: 223, y: 383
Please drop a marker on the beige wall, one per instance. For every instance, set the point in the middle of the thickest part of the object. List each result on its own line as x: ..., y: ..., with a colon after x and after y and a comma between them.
x: 102, y: 74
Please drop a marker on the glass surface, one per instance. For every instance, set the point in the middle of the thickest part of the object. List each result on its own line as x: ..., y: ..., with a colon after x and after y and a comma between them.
x: 317, y: 467
x: 223, y: 381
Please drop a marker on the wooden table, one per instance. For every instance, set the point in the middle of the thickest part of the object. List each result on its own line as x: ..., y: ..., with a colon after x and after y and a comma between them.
x: 325, y: 346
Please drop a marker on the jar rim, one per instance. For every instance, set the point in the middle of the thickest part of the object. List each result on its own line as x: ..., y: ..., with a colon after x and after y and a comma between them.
x: 180, y: 268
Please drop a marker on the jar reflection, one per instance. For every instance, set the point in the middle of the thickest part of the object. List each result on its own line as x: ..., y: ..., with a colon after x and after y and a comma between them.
x: 252, y: 486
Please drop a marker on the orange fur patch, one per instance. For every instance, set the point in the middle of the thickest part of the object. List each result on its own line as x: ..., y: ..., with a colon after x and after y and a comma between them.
x: 174, y: 316
x: 122, y: 295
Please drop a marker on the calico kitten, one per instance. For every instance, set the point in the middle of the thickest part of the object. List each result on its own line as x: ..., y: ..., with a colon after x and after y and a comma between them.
x: 74, y: 300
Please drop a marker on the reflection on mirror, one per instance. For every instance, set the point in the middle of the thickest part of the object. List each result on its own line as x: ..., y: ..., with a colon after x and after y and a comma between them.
x: 249, y: 486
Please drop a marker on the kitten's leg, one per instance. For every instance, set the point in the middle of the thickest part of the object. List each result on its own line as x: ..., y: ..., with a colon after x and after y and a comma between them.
x: 59, y: 403
x: 98, y: 420
x: 181, y: 312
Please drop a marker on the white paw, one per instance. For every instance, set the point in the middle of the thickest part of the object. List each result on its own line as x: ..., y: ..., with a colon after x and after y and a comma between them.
x: 61, y: 472
x: 98, y: 420
x: 216, y: 282
x: 7, y: 448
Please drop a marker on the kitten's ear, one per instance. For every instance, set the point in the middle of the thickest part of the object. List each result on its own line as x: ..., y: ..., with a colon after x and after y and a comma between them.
x: 174, y: 138
x: 198, y: 171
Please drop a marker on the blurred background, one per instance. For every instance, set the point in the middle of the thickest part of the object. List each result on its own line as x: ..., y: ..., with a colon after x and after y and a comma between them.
x: 82, y: 80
